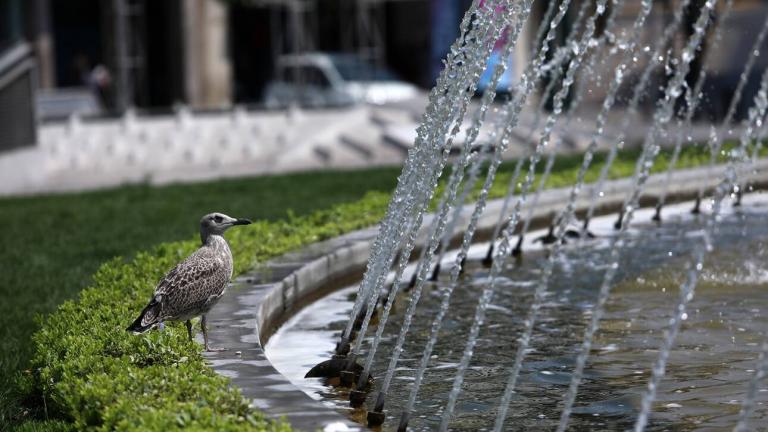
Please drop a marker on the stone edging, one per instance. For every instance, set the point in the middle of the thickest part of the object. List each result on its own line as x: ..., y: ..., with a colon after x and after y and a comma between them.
x: 260, y: 301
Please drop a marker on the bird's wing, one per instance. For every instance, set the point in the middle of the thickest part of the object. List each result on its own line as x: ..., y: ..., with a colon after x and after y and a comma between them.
x: 198, y: 266
x: 190, y: 284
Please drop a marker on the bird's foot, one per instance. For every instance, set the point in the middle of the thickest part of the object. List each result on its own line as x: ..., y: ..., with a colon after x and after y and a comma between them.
x: 161, y: 326
x: 211, y: 349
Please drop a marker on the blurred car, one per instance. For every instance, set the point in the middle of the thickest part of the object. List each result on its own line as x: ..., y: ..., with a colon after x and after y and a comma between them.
x: 325, y: 79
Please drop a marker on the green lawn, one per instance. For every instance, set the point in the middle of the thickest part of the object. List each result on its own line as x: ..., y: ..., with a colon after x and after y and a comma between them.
x: 51, y: 245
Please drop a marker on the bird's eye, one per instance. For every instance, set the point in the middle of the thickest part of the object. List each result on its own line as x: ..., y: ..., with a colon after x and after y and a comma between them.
x: 218, y: 219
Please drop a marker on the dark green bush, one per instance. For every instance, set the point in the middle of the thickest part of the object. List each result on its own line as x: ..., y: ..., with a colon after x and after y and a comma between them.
x: 90, y: 371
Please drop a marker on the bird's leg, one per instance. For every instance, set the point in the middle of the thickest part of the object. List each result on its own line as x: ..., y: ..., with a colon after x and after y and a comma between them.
x: 203, y: 321
x: 189, y: 328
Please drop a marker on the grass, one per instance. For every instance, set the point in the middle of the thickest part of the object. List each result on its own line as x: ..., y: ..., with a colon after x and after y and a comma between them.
x: 53, y: 245
x: 88, y: 370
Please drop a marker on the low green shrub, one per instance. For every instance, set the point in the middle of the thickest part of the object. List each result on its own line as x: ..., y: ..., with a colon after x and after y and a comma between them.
x: 90, y: 371
x: 566, y: 167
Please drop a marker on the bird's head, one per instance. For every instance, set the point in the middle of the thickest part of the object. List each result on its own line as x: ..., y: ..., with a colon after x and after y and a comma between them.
x: 217, y: 223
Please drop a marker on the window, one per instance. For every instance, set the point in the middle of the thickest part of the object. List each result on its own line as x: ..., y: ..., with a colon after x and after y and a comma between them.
x: 306, y: 75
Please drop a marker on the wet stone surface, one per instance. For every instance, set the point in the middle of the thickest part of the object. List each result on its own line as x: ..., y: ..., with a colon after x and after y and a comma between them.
x: 235, y: 324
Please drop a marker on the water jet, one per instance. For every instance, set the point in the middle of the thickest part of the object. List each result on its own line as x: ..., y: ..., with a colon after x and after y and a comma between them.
x: 462, y: 347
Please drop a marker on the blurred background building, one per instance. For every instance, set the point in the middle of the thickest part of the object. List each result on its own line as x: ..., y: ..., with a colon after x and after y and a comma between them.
x: 211, y: 53
x: 105, y: 59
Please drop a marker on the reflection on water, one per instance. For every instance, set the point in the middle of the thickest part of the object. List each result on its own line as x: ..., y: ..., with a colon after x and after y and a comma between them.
x: 708, y: 370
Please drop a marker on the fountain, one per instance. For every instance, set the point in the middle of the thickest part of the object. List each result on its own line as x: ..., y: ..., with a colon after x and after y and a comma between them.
x: 367, y: 359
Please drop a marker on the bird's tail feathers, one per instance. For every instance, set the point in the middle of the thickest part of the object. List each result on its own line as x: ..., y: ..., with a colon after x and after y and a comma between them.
x: 148, y: 318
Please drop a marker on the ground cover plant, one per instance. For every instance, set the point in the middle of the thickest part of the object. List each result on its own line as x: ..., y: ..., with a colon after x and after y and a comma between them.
x: 51, y: 246
x: 87, y: 371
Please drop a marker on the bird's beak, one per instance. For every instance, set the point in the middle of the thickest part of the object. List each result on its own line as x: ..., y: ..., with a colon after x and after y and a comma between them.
x: 242, y: 222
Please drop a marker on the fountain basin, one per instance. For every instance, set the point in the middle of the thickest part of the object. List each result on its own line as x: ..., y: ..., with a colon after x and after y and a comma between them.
x: 707, y: 375
x: 261, y: 301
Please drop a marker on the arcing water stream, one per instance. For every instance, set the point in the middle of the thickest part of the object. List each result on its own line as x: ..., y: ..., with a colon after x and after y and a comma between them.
x: 485, y: 23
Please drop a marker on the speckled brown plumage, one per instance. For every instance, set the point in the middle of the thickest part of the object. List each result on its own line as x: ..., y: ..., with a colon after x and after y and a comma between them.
x: 194, y: 286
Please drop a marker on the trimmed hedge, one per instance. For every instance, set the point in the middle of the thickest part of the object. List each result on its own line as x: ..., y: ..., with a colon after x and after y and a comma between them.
x: 92, y: 372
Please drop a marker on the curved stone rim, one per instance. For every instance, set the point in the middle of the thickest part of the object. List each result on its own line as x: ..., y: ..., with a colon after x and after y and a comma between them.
x: 259, y: 302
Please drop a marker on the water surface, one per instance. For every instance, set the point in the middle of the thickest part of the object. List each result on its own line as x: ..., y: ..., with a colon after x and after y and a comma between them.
x: 707, y: 373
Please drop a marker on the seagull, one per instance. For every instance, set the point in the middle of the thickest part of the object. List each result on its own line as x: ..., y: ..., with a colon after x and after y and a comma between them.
x: 195, y: 284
